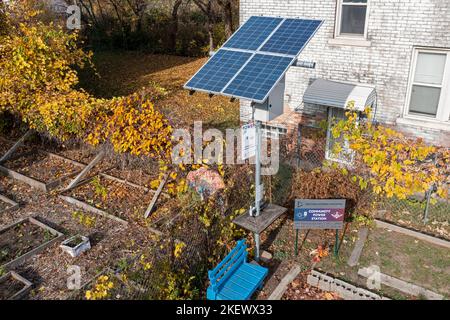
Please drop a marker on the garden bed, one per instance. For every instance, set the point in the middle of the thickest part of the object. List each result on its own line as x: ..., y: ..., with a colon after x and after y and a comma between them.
x: 23, y: 239
x: 41, y: 170
x: 13, y: 286
x: 112, y: 198
x: 140, y: 177
x: 5, y: 145
x: 7, y: 204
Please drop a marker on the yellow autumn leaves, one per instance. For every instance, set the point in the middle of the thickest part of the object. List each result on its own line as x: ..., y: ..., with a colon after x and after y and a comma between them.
x: 132, y: 125
x: 38, y: 84
x: 101, y: 289
x: 390, y: 163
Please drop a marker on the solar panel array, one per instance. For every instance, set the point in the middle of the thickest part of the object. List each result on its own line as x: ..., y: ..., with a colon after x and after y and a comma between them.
x: 255, y: 58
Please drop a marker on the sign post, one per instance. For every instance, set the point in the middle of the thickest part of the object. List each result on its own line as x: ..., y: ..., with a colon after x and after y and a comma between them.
x: 319, y: 214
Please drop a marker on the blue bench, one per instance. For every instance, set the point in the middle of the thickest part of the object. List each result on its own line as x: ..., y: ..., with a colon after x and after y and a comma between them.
x: 234, y: 278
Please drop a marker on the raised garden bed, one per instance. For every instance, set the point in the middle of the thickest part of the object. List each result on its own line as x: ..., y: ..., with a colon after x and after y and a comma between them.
x: 136, y: 176
x: 40, y: 170
x: 23, y: 239
x: 13, y: 286
x: 111, y: 197
x: 7, y: 204
x: 5, y: 145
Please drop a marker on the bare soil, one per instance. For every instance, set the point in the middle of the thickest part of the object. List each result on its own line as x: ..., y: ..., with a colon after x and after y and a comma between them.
x: 42, y: 167
x: 121, y: 200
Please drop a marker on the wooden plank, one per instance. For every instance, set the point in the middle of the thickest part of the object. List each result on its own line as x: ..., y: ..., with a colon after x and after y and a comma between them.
x: 92, y: 209
x: 401, y: 285
x: 131, y: 184
x: 284, y: 283
x: 19, y: 294
x: 59, y: 157
x: 14, y: 205
x: 19, y: 142
x: 263, y: 221
x: 156, y: 196
x: 57, y: 182
x: 85, y: 171
x: 359, y: 245
x: 412, y: 233
x: 41, y: 185
x: 18, y: 176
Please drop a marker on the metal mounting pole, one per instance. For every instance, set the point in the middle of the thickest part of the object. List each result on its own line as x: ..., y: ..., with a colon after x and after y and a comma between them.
x: 257, y: 181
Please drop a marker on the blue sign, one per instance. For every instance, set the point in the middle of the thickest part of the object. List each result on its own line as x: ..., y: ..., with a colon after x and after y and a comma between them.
x: 319, y: 214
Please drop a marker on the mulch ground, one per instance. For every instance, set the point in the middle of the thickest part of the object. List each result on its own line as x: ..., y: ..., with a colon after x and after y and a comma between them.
x: 124, y: 201
x: 42, y: 167
x: 299, y: 289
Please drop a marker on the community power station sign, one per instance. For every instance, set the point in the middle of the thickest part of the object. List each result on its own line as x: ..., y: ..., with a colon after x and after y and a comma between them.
x: 319, y: 214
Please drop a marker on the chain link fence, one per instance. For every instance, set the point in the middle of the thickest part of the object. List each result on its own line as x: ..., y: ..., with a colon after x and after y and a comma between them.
x: 423, y: 212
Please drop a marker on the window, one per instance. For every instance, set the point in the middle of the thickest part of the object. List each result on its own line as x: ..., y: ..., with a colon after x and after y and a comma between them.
x: 272, y: 131
x: 352, y: 18
x: 429, y: 86
x: 346, y: 154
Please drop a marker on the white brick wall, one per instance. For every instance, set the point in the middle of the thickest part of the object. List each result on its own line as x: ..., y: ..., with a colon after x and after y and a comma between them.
x: 394, y: 28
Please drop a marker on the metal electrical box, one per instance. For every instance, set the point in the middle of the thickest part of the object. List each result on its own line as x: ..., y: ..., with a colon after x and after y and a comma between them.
x: 274, y: 105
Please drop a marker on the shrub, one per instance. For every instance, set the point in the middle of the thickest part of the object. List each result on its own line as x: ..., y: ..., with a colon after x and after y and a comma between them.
x: 329, y: 183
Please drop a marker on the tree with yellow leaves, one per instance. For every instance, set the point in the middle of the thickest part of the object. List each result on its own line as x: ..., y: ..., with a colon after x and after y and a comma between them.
x: 390, y: 163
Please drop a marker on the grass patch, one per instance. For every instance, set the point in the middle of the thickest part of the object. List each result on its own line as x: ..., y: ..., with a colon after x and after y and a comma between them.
x: 409, y: 259
x: 122, y: 73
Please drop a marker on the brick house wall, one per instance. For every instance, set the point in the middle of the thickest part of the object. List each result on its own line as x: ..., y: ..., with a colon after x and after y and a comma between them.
x: 395, y: 27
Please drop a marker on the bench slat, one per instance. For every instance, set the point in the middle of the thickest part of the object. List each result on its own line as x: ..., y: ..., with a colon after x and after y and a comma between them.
x: 234, y: 278
x: 240, y: 245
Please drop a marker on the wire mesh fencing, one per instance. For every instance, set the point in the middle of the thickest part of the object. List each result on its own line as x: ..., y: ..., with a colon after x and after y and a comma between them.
x: 423, y: 213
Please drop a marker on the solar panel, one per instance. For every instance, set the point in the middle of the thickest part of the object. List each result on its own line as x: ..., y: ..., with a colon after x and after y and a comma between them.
x: 258, y: 77
x: 255, y: 58
x: 292, y: 36
x: 218, y: 71
x: 253, y: 33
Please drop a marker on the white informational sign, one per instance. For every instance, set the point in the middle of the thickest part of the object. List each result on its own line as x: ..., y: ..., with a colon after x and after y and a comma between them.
x: 248, y: 138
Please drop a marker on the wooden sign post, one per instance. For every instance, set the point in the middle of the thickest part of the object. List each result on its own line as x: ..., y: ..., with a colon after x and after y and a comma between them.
x: 319, y: 214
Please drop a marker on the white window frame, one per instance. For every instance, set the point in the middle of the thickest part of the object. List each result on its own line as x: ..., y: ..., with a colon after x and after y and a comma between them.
x: 273, y: 131
x: 337, y: 30
x: 443, y: 111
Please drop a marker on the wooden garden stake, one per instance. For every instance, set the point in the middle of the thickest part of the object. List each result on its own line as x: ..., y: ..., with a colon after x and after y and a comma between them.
x: 19, y: 142
x: 156, y: 196
x: 83, y: 173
